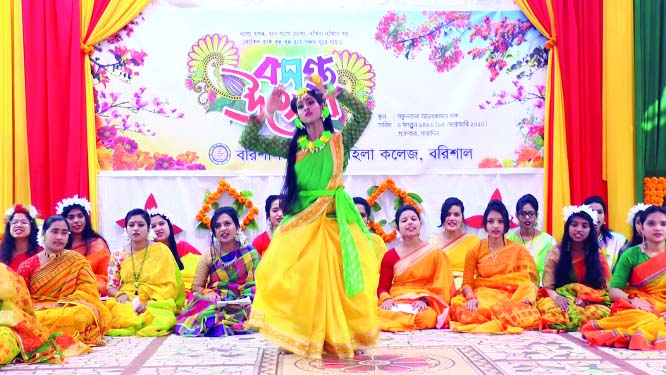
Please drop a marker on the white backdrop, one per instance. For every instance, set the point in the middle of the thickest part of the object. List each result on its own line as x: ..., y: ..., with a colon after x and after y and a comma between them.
x: 182, y: 195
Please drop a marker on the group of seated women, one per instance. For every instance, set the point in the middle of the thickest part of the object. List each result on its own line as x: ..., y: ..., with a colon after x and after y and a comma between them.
x: 68, y: 290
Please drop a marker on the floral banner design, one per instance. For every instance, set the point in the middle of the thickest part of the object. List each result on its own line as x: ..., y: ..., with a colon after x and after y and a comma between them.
x: 450, y: 89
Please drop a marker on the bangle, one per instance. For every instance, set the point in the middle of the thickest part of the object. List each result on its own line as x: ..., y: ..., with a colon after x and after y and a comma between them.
x: 467, y: 298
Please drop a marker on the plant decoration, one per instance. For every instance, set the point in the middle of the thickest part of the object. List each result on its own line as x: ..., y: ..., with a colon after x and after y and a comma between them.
x: 242, y: 204
x: 401, y: 197
x: 654, y: 190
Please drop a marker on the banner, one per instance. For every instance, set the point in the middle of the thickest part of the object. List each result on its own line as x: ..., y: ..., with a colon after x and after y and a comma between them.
x: 452, y: 86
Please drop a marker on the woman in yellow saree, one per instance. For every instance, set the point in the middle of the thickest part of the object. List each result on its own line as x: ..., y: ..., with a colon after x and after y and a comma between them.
x: 452, y: 239
x: 63, y: 287
x: 500, y: 298
x: 145, y: 283
x: 638, y: 291
x: 22, y: 337
x: 317, y: 282
x: 575, y: 276
x: 415, y: 283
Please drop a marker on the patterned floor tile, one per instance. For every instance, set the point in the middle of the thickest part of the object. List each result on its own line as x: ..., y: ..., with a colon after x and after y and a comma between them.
x: 198, y: 370
x: 562, y: 368
x: 653, y: 367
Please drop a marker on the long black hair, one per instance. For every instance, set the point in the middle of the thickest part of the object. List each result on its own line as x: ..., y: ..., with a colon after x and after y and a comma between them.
x: 290, y: 188
x: 401, y: 210
x: 231, y: 212
x: 605, y: 232
x: 9, y: 243
x: 88, y: 232
x: 446, y: 206
x: 636, y: 239
x: 499, y: 207
x: 594, y: 277
x: 171, y: 241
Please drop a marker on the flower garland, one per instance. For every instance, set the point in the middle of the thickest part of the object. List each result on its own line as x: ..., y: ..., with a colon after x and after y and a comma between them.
x: 400, y: 194
x: 313, y: 146
x: 654, y: 190
x: 20, y: 208
x: 73, y: 201
x: 210, y: 202
x: 570, y: 210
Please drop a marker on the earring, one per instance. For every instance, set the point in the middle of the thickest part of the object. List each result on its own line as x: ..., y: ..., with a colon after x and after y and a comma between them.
x: 325, y: 112
x: 297, y: 123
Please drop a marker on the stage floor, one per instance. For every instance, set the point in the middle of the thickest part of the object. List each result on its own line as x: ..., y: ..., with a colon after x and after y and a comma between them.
x: 427, y: 353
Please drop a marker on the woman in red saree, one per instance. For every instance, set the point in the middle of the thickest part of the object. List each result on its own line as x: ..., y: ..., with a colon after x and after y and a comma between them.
x: 64, y: 291
x: 84, y: 239
x: 499, y: 282
x: 575, y: 275
x: 19, y: 241
x: 638, y: 291
x: 415, y: 282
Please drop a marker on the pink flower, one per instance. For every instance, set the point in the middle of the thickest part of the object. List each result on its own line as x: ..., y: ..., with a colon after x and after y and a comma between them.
x: 164, y: 163
x: 106, y: 134
x: 129, y: 145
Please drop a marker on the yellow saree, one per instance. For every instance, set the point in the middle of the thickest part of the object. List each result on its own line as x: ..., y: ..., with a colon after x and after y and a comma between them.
x: 66, y: 298
x: 22, y: 337
x: 423, y: 274
x: 505, y: 279
x: 160, y: 286
x: 456, y: 251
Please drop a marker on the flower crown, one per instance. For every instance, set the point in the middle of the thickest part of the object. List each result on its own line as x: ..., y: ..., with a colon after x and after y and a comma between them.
x: 19, y: 208
x: 73, y: 201
x: 160, y: 211
x: 40, y: 237
x: 635, y: 210
x: 570, y: 210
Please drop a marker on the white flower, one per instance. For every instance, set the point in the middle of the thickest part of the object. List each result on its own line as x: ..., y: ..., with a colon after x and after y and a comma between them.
x: 32, y: 211
x: 151, y: 235
x: 68, y: 202
x: 160, y: 211
x: 241, y: 237
x: 570, y: 210
x: 634, y: 210
x: 40, y: 237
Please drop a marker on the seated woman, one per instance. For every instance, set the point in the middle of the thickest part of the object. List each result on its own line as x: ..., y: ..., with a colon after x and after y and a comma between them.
x: 635, y: 219
x: 225, y: 273
x: 499, y: 282
x: 64, y: 291
x: 274, y: 216
x: 146, y: 296
x: 610, y: 242
x: 575, y: 275
x: 415, y: 283
x: 20, y: 239
x: 452, y: 239
x: 638, y: 292
x: 84, y: 239
x: 22, y: 337
x: 538, y: 243
x: 378, y: 244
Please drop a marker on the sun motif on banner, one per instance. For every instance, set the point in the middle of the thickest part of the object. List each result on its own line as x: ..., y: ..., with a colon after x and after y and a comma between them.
x: 354, y: 72
x: 207, y: 57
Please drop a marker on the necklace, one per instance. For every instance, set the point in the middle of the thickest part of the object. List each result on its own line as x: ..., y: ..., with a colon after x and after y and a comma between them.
x: 493, y: 253
x: 313, y: 146
x: 52, y: 255
x: 520, y: 233
x: 137, y: 275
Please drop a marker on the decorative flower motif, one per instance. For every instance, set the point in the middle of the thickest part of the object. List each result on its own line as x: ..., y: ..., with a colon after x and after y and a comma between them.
x: 570, y: 210
x: 240, y: 200
x: 654, y: 190
x: 164, y: 163
x: 160, y: 211
x: 129, y: 145
x: 151, y: 235
x: 379, y: 363
x: 40, y: 237
x: 313, y: 146
x: 208, y: 45
x: 354, y: 72
x: 73, y: 201
x: 403, y: 195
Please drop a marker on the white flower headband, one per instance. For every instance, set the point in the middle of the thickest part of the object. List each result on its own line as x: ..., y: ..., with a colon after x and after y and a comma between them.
x: 570, y: 210
x: 40, y: 237
x: 160, y: 211
x: 68, y: 202
x: 19, y: 208
x: 634, y: 210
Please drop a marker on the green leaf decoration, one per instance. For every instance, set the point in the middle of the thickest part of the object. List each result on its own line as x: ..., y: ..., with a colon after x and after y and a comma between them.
x: 382, y: 222
x: 220, y: 104
x: 247, y: 193
x: 253, y: 225
x: 215, y: 206
x: 372, y: 190
x: 397, y: 203
x: 202, y: 226
x: 206, y: 196
x: 415, y: 197
x: 237, y: 206
x: 376, y: 207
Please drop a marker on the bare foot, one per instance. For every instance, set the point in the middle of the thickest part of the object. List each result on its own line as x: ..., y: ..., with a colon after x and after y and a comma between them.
x: 359, y: 352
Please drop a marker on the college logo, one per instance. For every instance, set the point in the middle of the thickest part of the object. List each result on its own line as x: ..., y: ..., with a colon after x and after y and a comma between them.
x: 219, y: 154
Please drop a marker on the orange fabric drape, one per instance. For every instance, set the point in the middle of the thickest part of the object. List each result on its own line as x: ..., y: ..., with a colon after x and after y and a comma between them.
x: 556, y: 176
x: 116, y: 15
x: 14, y: 168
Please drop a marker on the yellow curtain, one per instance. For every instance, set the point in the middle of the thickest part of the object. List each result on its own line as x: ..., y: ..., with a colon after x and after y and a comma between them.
x: 116, y: 15
x: 559, y: 190
x: 14, y: 167
x: 618, y: 111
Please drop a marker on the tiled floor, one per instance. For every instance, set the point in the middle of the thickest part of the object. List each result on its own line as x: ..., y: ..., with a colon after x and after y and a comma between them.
x: 427, y: 353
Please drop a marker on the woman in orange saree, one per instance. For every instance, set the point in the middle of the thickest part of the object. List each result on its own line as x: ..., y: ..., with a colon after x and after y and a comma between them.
x: 575, y: 276
x: 500, y: 298
x: 452, y: 239
x: 638, y: 291
x: 84, y: 239
x: 22, y: 337
x: 415, y: 282
x: 63, y: 287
